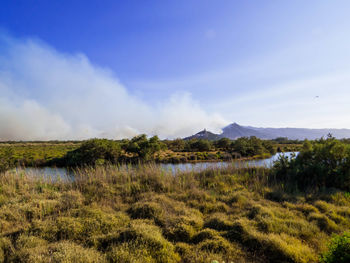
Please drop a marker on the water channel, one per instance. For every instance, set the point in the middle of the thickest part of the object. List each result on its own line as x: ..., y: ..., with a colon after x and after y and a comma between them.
x: 64, y: 173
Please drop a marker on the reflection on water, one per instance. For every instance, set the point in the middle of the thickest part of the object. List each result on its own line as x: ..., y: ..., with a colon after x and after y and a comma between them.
x: 55, y: 174
x: 48, y: 173
x: 181, y: 167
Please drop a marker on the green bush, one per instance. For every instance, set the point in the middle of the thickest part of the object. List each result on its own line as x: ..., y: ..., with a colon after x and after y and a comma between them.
x: 198, y: 145
x: 338, y: 250
x: 94, y: 152
x: 144, y: 148
x: 324, y: 163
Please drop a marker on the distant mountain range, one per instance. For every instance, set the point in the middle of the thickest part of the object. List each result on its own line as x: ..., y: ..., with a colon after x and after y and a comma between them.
x: 234, y: 131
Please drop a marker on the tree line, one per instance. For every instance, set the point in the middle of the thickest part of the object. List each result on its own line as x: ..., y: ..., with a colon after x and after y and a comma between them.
x: 323, y: 163
x: 138, y: 149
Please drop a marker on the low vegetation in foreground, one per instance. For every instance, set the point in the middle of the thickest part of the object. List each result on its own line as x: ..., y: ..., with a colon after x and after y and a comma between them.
x: 144, y: 214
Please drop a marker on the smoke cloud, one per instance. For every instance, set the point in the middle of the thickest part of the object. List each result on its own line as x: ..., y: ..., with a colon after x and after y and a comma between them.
x: 46, y: 95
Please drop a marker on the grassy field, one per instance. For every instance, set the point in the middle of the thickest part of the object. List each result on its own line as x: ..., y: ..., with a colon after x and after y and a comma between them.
x: 147, y: 215
x: 38, y: 153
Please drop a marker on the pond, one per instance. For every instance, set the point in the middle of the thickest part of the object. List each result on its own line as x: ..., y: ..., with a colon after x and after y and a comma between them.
x: 54, y: 174
x: 200, y: 166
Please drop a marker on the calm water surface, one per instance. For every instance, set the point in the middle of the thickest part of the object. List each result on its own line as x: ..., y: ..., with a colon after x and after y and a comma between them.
x: 181, y: 167
x: 63, y: 173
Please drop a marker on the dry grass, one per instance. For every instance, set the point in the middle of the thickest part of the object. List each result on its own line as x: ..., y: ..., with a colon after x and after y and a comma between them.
x: 145, y: 214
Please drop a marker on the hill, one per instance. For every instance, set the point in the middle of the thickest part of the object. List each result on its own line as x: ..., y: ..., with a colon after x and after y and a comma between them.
x: 204, y: 134
x: 234, y: 131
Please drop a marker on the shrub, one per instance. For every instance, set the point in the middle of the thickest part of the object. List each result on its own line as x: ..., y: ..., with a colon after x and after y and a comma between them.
x: 144, y: 148
x: 251, y: 146
x: 338, y: 250
x: 93, y: 152
x: 323, y: 163
x: 198, y: 145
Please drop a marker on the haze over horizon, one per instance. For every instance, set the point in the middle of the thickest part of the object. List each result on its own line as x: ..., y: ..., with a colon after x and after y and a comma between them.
x: 117, y: 69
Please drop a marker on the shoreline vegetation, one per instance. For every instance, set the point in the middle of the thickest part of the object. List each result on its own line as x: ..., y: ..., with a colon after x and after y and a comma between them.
x: 297, y: 211
x: 139, y: 149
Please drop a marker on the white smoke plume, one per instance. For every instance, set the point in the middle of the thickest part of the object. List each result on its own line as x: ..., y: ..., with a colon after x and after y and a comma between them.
x: 47, y: 95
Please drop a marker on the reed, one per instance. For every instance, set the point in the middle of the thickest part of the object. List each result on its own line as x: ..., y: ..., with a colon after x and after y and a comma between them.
x: 143, y: 213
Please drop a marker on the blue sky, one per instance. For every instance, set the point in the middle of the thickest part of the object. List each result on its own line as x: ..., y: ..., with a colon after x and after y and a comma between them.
x: 259, y: 63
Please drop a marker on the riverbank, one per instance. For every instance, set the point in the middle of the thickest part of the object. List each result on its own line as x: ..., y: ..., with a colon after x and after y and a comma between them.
x: 195, y: 157
x: 49, y: 155
x: 149, y: 215
x: 136, y: 150
x: 62, y: 173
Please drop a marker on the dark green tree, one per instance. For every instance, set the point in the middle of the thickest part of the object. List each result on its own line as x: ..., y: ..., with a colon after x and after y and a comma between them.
x: 144, y: 148
x: 198, y: 145
x: 94, y: 151
x: 320, y: 164
x: 223, y: 143
x: 177, y: 145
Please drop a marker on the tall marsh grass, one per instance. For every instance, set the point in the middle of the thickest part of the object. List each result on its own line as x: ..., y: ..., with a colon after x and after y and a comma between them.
x: 144, y: 213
